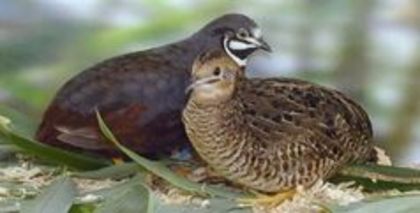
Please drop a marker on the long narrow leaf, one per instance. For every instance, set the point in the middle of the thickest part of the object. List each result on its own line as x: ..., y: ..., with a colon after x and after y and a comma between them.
x: 52, y: 154
x: 164, y: 172
x: 403, y: 204
x: 130, y: 197
x: 378, y: 177
x: 82, y: 208
x: 22, y: 123
x: 56, y: 198
x: 215, y: 205
x: 389, y: 173
x: 9, y: 205
x: 118, y: 171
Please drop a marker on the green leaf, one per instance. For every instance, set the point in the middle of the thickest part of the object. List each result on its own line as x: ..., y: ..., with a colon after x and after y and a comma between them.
x: 23, y: 124
x: 164, y: 172
x: 215, y: 205
x: 108, y: 192
x: 130, y: 197
x: 118, y: 171
x: 378, y: 177
x: 390, y: 173
x: 82, y: 208
x: 56, y: 198
x: 11, y: 205
x: 395, y: 204
x: 52, y: 154
x: 4, y: 124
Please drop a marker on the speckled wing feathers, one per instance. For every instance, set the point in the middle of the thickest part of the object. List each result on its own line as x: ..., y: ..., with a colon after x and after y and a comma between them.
x: 285, y: 108
x: 313, y: 130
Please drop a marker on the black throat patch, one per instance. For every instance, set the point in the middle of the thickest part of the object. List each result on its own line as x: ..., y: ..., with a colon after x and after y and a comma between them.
x: 243, y: 54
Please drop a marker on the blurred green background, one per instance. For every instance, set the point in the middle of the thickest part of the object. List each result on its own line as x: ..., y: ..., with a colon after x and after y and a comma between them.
x: 368, y: 49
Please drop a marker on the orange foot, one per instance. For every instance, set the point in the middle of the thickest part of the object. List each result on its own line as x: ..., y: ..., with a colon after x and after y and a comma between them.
x: 268, y: 200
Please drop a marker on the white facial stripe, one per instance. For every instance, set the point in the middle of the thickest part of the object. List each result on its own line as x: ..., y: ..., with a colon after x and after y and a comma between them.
x: 253, y: 41
x: 238, y: 45
x: 237, y: 60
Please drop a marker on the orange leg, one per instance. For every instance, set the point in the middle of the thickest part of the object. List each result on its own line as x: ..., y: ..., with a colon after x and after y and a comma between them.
x: 268, y: 200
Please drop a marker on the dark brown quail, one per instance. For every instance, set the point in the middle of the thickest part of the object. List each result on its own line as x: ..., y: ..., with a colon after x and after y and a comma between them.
x: 273, y: 134
x: 141, y: 94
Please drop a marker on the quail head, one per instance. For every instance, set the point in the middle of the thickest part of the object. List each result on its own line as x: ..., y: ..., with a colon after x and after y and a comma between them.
x: 273, y: 134
x: 141, y: 94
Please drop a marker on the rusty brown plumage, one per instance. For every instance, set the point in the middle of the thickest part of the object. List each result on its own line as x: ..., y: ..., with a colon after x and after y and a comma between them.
x: 272, y: 134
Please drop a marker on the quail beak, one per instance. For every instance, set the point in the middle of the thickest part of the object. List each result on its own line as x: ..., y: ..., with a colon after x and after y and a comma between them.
x: 259, y: 43
x: 200, y: 82
x: 264, y: 45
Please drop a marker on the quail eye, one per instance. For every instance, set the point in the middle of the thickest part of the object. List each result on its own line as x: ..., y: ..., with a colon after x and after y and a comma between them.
x: 217, y: 71
x: 242, y: 33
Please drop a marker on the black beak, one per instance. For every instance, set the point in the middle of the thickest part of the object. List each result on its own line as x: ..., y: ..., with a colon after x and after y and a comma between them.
x: 264, y: 45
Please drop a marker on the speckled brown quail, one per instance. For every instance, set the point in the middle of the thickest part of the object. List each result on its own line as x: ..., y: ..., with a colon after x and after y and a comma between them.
x: 141, y: 94
x: 273, y: 134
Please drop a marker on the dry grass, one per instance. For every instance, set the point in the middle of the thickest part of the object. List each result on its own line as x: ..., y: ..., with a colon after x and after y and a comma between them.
x: 27, y: 176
